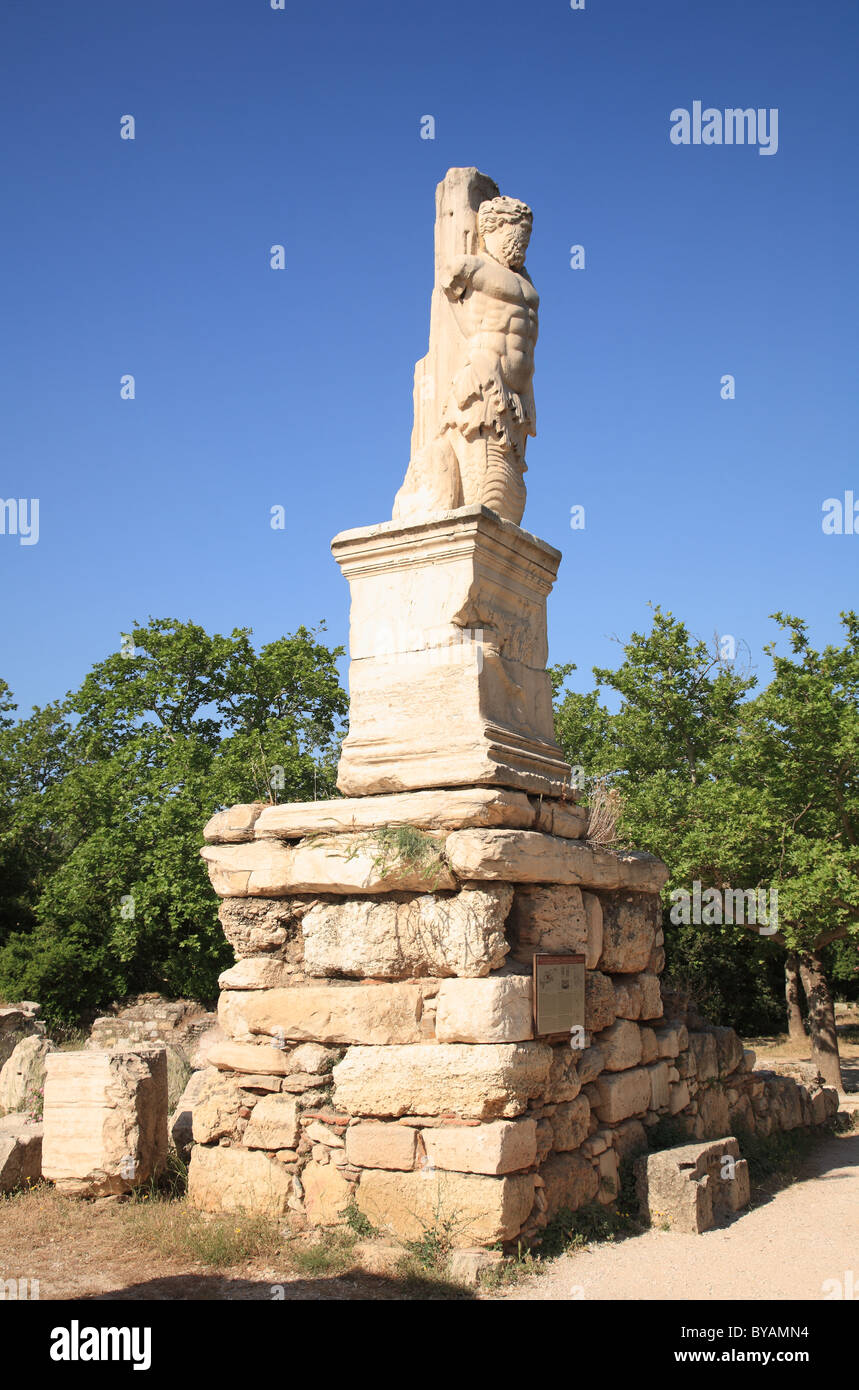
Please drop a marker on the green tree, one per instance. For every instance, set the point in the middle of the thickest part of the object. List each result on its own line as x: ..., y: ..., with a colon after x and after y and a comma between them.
x: 109, y: 793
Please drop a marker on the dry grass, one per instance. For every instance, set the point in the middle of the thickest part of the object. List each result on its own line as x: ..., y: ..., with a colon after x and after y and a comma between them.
x: 604, y: 808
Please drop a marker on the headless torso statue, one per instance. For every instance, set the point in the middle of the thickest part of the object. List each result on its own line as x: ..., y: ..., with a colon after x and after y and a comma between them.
x: 479, y: 372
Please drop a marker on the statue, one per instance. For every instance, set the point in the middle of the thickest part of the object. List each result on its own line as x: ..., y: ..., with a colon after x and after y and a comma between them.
x: 474, y: 404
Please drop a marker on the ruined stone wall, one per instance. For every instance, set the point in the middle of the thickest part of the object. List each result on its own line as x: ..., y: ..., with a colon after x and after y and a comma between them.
x: 379, y: 1038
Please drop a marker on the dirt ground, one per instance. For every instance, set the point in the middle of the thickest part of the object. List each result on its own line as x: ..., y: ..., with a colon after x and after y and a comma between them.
x: 114, y: 1250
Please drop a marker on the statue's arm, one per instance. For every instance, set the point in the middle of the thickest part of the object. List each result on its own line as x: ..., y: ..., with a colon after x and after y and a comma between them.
x: 457, y: 275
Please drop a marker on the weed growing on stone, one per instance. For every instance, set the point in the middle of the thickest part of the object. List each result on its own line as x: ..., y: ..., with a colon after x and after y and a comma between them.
x: 357, y: 1222
x: 402, y: 846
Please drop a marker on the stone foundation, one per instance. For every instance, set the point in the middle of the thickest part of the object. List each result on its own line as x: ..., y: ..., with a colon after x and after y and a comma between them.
x: 380, y: 1048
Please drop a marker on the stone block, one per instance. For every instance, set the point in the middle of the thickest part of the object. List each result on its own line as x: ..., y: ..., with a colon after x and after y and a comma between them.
x: 660, y: 1090
x: 702, y: 1047
x: 378, y: 1145
x: 273, y: 1124
x: 256, y: 926
x: 651, y: 996
x: 621, y: 1095
x: 20, y: 1152
x: 437, y: 700
x: 481, y: 1081
x: 22, y: 1077
x: 547, y: 918
x: 593, y: 916
x: 401, y: 936
x: 570, y: 1122
x: 215, y: 1114
x: 326, y: 864
x: 450, y: 808
x: 234, y: 825
x: 600, y: 1001
x: 105, y: 1120
x: 620, y: 1045
x: 492, y: 1010
x: 630, y: 920
x: 473, y: 1208
x: 238, y: 1180
x: 257, y: 972
x: 326, y: 1193
x: 348, y: 1013
x: 569, y: 1181
x: 526, y: 856
x: 689, y: 1187
x: 502, y: 1146
x: 671, y: 1039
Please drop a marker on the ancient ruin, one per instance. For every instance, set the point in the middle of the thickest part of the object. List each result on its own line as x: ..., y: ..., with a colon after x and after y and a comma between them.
x: 381, y: 1051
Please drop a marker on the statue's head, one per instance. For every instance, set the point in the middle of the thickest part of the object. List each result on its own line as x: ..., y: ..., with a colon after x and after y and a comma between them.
x: 505, y: 226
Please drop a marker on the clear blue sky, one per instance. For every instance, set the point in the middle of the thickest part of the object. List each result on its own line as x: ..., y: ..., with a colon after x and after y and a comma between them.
x: 255, y: 387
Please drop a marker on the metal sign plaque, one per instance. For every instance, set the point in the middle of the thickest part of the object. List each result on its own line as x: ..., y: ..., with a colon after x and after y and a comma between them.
x: 559, y: 994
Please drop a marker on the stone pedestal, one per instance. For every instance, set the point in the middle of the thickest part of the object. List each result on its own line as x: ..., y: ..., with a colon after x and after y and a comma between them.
x: 447, y: 683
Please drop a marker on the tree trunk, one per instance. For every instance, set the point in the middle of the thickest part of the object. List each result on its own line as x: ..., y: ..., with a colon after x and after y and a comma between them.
x: 795, y: 1025
x: 821, y: 1019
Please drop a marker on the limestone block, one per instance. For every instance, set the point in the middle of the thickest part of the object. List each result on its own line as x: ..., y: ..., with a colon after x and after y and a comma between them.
x: 447, y: 639
x: 379, y: 1145
x: 273, y: 1124
x: 479, y: 1208
x: 22, y: 1077
x: 550, y: 918
x: 570, y: 1123
x: 257, y: 972
x: 402, y: 936
x: 622, y: 1094
x: 593, y: 915
x: 570, y: 1182
x: 182, y: 1119
x: 326, y: 864
x: 105, y: 1119
x: 452, y: 808
x: 591, y: 1063
x: 253, y: 926
x: 627, y: 996
x: 702, y: 1047
x: 503, y: 1146
x: 686, y: 1187
x: 629, y: 927
x: 254, y: 1058
x: 233, y: 825
x: 326, y: 1193
x: 483, y: 1081
x: 17, y: 1021
x: 563, y: 1082
x: 679, y: 1097
x: 729, y: 1050
x: 600, y: 1003
x: 215, y: 1114
x: 649, y: 1049
x: 651, y: 996
x: 20, y: 1152
x: 526, y: 856
x: 561, y: 818
x: 714, y: 1111
x: 620, y: 1045
x: 239, y: 1180
x: 347, y: 1013
x: 629, y: 1138
x: 660, y: 1092
x: 671, y: 1039
x: 493, y: 1010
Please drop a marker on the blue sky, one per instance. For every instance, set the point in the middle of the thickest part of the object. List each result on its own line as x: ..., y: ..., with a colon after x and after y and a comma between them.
x: 256, y: 387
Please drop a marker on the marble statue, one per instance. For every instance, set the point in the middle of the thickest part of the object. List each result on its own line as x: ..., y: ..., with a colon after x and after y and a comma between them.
x: 474, y: 403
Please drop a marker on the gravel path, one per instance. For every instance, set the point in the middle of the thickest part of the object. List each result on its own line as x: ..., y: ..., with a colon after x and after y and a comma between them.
x: 785, y: 1248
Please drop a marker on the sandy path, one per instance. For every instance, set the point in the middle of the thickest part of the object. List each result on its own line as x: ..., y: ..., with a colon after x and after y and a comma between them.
x: 785, y: 1248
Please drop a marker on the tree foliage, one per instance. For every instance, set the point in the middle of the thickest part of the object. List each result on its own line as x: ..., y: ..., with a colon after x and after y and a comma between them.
x: 105, y: 794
